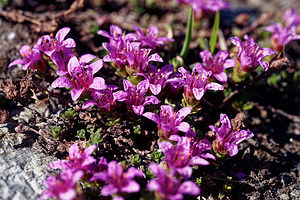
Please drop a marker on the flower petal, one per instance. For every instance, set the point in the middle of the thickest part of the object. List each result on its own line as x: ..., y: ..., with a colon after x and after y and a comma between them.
x: 69, y: 43
x: 127, y: 84
x: 75, y: 93
x: 88, y: 104
x: 16, y: 62
x: 198, y: 93
x: 196, y: 160
x: 151, y: 100
x: 108, y: 190
x: 183, y: 112
x: 73, y: 63
x: 155, y: 57
x: 189, y: 187
x: 86, y: 58
x: 222, y: 77
x: 155, y: 88
x: 152, y: 116
x: 131, y: 187
x: 139, y: 110
x: 62, y: 33
x: 98, y: 84
x: 183, y: 127
x: 62, y: 82
x: 214, y: 86
x: 96, y: 66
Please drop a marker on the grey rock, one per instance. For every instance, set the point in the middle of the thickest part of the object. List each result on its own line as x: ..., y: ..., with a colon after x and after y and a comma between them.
x: 284, y: 197
x: 22, y: 169
x: 11, y: 36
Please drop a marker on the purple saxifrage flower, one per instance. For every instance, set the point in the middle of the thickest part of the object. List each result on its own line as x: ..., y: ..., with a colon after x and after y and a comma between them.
x: 282, y: 36
x: 80, y: 77
x: 179, y: 158
x: 227, y: 140
x: 157, y: 77
x: 77, y: 159
x: 138, y: 60
x: 105, y: 100
x: 115, y: 34
x: 150, y: 39
x: 167, y: 187
x: 117, y: 53
x: 118, y: 181
x: 61, y: 186
x: 195, y: 84
x: 58, y: 49
x: 134, y: 97
x: 32, y: 59
x: 217, y: 64
x: 169, y: 122
x: 250, y: 54
x: 284, y: 33
x: 291, y: 17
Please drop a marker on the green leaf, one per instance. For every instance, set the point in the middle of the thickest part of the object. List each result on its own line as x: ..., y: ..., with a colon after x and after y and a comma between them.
x: 188, y: 36
x: 214, y: 34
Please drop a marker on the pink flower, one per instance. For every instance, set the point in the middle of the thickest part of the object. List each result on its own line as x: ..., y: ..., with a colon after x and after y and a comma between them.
x: 167, y: 187
x: 32, y: 59
x: 250, y: 54
x: 185, y: 153
x: 77, y: 159
x: 227, y: 140
x: 151, y: 39
x: 138, y: 60
x: 119, y: 182
x: 217, y: 64
x: 62, y: 186
x: 105, y: 99
x: 283, y: 35
x: 157, y: 77
x: 58, y: 49
x: 81, y: 76
x: 170, y: 122
x: 291, y: 17
x: 195, y: 83
x: 134, y: 97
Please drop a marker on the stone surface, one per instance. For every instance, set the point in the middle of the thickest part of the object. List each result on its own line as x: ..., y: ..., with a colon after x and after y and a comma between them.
x: 22, y: 169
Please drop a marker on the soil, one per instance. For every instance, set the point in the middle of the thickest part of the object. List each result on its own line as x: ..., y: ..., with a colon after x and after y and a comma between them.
x: 267, y: 166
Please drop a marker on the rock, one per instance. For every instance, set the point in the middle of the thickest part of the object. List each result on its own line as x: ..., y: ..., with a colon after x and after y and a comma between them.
x: 284, y: 197
x: 295, y: 193
x: 11, y: 36
x: 22, y: 169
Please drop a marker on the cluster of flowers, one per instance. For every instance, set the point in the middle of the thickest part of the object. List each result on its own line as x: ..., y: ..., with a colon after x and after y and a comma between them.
x: 168, y: 184
x: 284, y: 33
x: 81, y: 165
x: 130, y: 55
x: 126, y: 53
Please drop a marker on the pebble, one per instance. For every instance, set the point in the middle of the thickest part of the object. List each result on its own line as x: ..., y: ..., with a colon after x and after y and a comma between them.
x: 11, y: 36
x: 295, y: 193
x: 284, y: 197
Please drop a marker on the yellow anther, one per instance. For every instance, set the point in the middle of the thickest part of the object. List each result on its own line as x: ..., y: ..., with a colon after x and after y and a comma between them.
x: 51, y: 34
x: 182, y: 157
x: 151, y: 74
x: 68, y: 158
